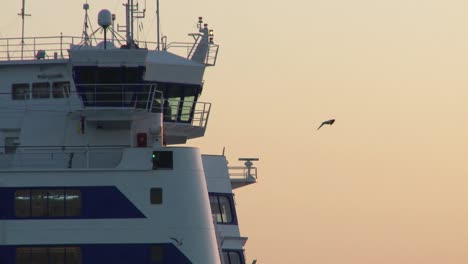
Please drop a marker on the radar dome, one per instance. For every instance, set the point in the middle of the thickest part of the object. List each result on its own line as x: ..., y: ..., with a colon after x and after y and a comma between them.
x: 104, y: 18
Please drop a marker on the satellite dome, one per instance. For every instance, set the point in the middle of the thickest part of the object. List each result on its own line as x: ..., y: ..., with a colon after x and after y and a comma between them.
x: 104, y: 18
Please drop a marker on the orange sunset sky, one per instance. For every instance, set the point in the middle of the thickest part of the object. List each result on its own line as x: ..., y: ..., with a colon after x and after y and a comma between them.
x: 388, y: 182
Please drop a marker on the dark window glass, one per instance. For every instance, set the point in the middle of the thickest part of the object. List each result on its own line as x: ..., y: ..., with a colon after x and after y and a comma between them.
x: 73, y: 202
x: 48, y: 255
x: 22, y: 203
x: 226, y: 257
x: 61, y: 89
x: 234, y: 258
x: 20, y: 91
x: 23, y: 256
x: 156, y: 195
x: 57, y: 255
x: 11, y: 143
x: 162, y: 160
x: 38, y: 203
x: 157, y: 254
x: 73, y: 255
x: 39, y: 255
x: 215, y: 211
x: 225, y: 205
x: 56, y: 202
x: 48, y: 203
x: 221, y: 208
x: 41, y: 90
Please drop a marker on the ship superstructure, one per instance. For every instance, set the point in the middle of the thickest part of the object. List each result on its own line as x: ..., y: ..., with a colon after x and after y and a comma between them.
x: 88, y: 170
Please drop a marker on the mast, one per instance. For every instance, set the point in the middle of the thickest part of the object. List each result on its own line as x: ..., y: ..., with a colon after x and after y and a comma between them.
x: 23, y: 14
x: 157, y: 25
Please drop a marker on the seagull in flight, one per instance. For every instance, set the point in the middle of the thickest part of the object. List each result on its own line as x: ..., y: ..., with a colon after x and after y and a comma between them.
x: 328, y: 122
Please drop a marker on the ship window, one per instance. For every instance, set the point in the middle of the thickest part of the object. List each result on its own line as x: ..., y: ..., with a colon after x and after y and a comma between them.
x: 156, y: 195
x: 11, y: 143
x: 221, y: 208
x: 47, y: 203
x: 56, y: 202
x: 162, y: 160
x: 48, y: 255
x: 232, y: 257
x: 157, y: 254
x: 187, y: 107
x: 61, y: 89
x: 38, y: 203
x: 73, y: 202
x: 41, y: 90
x: 22, y: 203
x: 39, y: 255
x: 20, y: 91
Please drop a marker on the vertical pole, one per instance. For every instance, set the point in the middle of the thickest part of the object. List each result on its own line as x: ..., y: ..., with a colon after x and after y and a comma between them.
x: 157, y: 25
x: 127, y: 13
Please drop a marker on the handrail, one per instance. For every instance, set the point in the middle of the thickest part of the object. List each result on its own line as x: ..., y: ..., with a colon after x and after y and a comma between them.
x: 57, y: 47
x: 63, y: 156
x: 241, y: 172
x: 120, y: 95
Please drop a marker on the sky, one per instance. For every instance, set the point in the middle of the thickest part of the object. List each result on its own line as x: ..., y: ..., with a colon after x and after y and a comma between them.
x: 387, y: 183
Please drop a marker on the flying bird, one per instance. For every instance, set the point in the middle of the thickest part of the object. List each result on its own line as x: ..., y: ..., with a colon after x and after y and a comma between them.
x: 179, y: 243
x: 328, y: 122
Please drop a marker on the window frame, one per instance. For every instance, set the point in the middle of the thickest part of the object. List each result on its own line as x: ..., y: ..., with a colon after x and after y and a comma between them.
x: 232, y: 208
x: 42, y: 209
x: 25, y: 95
x: 40, y: 90
x: 227, y: 253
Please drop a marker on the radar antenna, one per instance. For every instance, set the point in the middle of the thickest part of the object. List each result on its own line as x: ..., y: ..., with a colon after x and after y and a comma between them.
x: 23, y: 14
x: 248, y: 164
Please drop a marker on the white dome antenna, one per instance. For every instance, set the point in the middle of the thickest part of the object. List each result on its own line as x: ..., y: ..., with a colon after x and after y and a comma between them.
x: 105, y: 20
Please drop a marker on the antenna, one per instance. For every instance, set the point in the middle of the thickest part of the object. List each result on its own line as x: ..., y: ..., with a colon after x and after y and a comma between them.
x: 85, y: 24
x: 23, y: 14
x: 158, y: 25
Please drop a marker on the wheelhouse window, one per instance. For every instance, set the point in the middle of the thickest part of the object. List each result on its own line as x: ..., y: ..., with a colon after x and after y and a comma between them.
x: 222, y: 208
x: 48, y: 255
x: 39, y: 203
x: 40, y: 90
x: 20, y: 91
x: 233, y: 257
x: 60, y: 89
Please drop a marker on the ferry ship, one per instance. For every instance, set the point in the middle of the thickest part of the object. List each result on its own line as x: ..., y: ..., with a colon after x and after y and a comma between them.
x: 92, y: 165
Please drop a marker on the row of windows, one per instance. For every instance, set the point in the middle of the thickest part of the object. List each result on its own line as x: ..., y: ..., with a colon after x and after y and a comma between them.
x: 57, y: 202
x: 222, y: 208
x: 48, y: 255
x: 66, y: 255
x: 47, y: 203
x: 40, y: 90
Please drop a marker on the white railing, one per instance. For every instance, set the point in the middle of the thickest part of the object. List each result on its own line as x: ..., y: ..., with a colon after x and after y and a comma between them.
x: 242, y: 172
x: 179, y: 111
x: 63, y: 157
x: 121, y: 95
x: 57, y: 47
